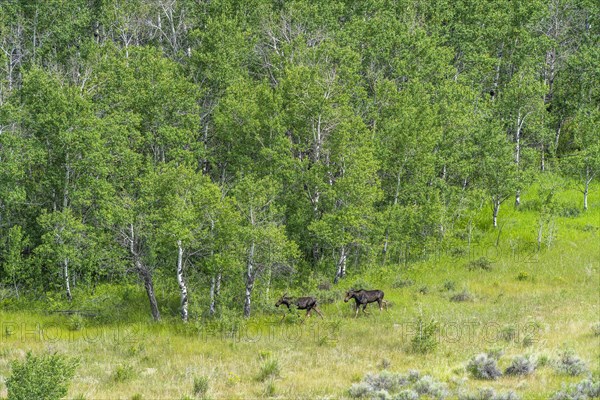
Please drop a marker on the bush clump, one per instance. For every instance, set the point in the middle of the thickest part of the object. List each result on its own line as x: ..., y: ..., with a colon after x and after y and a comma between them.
x: 269, y: 369
x: 385, y: 380
x: 521, y: 365
x: 407, y: 394
x: 44, y: 377
x: 569, y: 363
x: 481, y: 263
x: 427, y: 385
x: 425, y: 340
x: 462, y: 296
x: 489, y: 394
x: 483, y: 366
x: 389, y: 385
x: 359, y: 390
x: 584, y: 390
x: 449, y: 286
x: 123, y: 373
x: 200, y: 386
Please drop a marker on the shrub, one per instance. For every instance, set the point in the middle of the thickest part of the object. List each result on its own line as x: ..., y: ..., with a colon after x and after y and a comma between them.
x: 462, y: 296
x: 406, y: 395
x: 380, y: 395
x: 425, y: 340
x: 569, y: 211
x: 489, y: 394
x: 200, y: 386
x: 523, y: 276
x: 521, y: 365
x: 586, y: 389
x: 76, y: 322
x: 413, y: 375
x: 45, y: 377
x: 483, y: 367
x: 359, y: 390
x: 429, y: 386
x: 123, y: 373
x: 269, y: 369
x: 385, y: 380
x: 481, y: 263
x: 508, y: 333
x: 449, y: 286
x: 569, y: 363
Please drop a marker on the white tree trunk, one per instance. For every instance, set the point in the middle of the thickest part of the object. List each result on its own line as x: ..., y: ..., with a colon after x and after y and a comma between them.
x: 181, y: 282
x: 211, y: 309
x: 520, y: 122
x: 249, y: 281
x: 66, y: 275
x: 495, y: 215
x: 585, y: 195
x: 341, y: 267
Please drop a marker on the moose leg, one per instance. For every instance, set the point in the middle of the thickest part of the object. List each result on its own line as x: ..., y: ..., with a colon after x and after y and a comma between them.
x: 318, y: 311
x: 357, y: 308
x: 365, y: 308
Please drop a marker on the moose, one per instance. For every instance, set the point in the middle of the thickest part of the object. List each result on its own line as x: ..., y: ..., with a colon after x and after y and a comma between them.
x: 364, y: 297
x: 301, y: 303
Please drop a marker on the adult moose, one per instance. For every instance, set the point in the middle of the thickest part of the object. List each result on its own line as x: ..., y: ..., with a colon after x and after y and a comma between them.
x: 301, y: 303
x: 364, y: 297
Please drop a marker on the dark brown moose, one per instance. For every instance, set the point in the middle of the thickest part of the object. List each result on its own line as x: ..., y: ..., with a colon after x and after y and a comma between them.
x: 301, y: 303
x: 364, y: 297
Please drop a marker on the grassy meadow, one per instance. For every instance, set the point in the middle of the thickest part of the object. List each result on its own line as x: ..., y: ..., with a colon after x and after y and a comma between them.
x: 523, y: 301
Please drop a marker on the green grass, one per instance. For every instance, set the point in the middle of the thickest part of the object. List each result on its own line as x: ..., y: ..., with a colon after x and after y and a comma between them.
x: 529, y: 303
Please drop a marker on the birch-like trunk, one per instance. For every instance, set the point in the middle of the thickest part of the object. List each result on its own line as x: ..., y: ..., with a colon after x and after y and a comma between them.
x: 149, y: 286
x: 520, y: 122
x: 66, y: 276
x: 341, y: 267
x: 586, y: 188
x: 213, y: 284
x: 144, y: 273
x: 495, y: 215
x: 249, y: 281
x: 181, y: 282
x: 387, y: 229
x: 215, y: 292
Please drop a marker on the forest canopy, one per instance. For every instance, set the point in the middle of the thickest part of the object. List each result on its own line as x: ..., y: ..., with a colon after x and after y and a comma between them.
x: 220, y: 148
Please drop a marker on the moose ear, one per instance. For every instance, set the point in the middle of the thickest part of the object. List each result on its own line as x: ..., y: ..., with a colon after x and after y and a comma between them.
x: 285, y: 294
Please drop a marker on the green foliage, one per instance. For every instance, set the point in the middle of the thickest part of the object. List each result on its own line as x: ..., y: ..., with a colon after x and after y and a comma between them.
x: 201, y: 385
x: 483, y: 366
x: 42, y: 377
x: 570, y: 364
x: 123, y: 373
x: 269, y: 369
x: 425, y: 339
x: 481, y: 263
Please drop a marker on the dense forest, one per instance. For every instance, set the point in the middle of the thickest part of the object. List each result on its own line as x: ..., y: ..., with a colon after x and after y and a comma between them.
x: 229, y: 150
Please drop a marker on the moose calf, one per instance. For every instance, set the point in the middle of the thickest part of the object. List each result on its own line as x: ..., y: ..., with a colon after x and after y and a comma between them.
x: 364, y: 297
x: 301, y: 303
